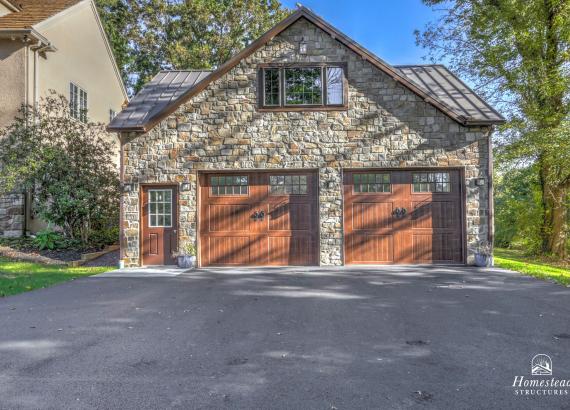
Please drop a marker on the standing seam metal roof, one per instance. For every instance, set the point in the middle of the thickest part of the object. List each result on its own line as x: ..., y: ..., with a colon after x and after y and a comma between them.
x: 165, y: 88
x: 443, y: 85
x: 436, y: 80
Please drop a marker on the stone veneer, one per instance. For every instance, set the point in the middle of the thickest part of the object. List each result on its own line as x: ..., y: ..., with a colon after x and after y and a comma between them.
x: 385, y: 126
x: 11, y: 215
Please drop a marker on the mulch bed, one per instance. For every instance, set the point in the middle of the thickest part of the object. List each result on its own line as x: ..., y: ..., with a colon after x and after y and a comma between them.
x: 51, y: 257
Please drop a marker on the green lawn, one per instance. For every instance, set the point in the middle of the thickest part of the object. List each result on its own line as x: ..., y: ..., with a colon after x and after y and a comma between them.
x: 534, y: 266
x: 17, y: 277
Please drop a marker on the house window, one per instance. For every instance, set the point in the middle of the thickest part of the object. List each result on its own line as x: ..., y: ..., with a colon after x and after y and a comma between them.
x: 229, y: 185
x: 112, y: 114
x: 372, y: 182
x: 288, y: 184
x: 271, y: 80
x: 431, y: 182
x: 335, y: 86
x: 77, y: 102
x: 303, y: 86
x: 160, y: 208
x: 311, y: 87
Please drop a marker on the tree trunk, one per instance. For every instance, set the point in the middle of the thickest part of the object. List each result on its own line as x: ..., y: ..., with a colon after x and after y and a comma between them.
x: 554, y: 229
x: 559, y: 231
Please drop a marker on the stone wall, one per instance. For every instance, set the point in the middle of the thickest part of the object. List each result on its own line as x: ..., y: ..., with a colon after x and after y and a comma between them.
x: 385, y: 126
x: 11, y: 215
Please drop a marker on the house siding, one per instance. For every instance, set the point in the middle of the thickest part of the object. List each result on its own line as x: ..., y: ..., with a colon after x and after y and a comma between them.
x: 385, y: 126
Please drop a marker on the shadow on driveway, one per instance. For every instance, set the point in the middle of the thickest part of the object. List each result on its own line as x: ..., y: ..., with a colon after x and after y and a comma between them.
x: 310, y: 338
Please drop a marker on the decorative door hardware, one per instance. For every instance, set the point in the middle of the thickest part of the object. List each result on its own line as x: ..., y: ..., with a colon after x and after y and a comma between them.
x: 400, y: 212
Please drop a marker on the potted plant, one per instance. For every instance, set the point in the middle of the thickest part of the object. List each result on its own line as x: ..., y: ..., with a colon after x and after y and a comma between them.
x: 187, y: 256
x: 484, y: 255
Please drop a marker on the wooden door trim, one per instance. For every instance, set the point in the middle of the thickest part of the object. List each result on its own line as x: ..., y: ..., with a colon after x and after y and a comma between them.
x: 150, y: 185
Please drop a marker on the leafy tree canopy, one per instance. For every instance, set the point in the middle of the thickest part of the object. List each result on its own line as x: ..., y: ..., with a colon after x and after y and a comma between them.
x: 517, y: 53
x: 150, y: 35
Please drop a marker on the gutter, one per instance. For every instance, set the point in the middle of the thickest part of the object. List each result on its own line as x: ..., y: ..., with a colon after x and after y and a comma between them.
x: 27, y: 35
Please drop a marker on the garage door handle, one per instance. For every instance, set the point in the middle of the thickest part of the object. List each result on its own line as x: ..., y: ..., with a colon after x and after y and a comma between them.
x: 400, y: 212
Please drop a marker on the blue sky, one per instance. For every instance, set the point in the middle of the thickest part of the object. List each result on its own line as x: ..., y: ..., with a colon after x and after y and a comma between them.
x: 385, y: 27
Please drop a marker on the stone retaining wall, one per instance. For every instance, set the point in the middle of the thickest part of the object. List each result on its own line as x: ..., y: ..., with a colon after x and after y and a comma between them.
x: 11, y: 215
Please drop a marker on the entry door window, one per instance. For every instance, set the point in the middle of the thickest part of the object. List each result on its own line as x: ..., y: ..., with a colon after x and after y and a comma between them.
x: 160, y: 208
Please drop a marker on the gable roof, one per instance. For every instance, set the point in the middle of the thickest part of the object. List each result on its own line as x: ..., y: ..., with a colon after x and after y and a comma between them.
x: 33, y: 12
x: 149, y: 120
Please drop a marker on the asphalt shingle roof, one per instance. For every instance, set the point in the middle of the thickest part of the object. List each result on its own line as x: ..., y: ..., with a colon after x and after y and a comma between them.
x: 33, y: 12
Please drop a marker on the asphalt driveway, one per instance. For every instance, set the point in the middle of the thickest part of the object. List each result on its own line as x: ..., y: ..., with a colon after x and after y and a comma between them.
x: 359, y: 338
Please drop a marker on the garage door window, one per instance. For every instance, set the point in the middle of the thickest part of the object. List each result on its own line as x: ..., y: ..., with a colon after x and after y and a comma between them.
x: 160, y: 208
x: 372, y: 182
x: 431, y: 182
x: 229, y: 185
x: 288, y: 184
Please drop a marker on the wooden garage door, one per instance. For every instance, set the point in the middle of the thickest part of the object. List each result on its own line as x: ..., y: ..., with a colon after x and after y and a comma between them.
x: 258, y: 218
x: 403, y: 217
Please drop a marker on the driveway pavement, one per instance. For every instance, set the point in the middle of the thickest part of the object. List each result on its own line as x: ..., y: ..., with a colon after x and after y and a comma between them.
x: 318, y: 338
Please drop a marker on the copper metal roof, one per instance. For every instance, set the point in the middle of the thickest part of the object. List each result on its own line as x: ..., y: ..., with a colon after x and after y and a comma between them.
x: 165, y: 88
x: 443, y: 85
x: 33, y: 12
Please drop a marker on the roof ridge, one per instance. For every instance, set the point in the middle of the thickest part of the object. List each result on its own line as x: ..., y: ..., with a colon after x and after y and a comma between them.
x: 186, y: 70
x: 419, y: 65
x: 393, y: 72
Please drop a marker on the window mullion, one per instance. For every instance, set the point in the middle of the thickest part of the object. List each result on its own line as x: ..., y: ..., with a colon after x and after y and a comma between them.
x: 324, y: 84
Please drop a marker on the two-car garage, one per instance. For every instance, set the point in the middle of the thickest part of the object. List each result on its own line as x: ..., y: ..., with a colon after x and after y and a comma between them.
x: 389, y: 217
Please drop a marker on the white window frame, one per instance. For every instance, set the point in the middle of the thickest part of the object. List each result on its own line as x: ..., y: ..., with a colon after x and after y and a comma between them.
x: 150, y: 225
x: 78, y: 102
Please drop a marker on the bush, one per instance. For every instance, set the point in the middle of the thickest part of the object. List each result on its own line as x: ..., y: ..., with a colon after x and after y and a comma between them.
x: 67, y: 165
x: 518, y: 210
x: 47, y: 239
x: 105, y: 236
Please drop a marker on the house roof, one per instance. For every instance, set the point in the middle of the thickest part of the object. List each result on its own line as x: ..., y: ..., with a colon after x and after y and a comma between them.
x: 443, y: 85
x: 33, y: 12
x: 164, y: 89
x: 148, y: 115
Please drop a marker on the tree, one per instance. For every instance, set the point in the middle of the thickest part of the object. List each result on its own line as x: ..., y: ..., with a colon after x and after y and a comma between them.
x: 517, y: 52
x: 150, y: 35
x: 66, y: 163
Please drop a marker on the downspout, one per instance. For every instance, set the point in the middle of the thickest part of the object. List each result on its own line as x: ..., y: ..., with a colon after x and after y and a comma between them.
x: 36, y: 78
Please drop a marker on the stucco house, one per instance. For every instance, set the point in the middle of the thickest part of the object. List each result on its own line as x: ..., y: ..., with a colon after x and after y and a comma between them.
x: 53, y: 45
x: 306, y: 149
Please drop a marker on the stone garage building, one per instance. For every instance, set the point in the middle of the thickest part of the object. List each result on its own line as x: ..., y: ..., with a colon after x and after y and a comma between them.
x: 306, y: 149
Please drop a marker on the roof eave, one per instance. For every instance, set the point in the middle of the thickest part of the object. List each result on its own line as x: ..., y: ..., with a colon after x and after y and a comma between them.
x: 141, y: 130
x: 22, y: 32
x: 485, y: 122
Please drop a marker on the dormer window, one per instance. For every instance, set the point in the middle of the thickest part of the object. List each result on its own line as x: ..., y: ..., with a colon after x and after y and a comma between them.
x: 309, y: 87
